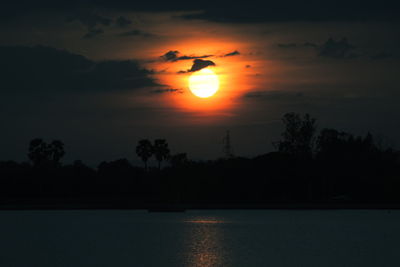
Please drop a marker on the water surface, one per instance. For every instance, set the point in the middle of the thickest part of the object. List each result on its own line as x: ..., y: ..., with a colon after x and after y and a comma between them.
x: 200, y: 238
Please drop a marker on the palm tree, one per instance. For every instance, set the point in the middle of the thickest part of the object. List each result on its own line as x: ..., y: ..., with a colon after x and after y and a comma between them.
x: 43, y: 154
x: 161, y: 150
x: 57, y: 150
x: 37, y: 151
x: 144, y: 150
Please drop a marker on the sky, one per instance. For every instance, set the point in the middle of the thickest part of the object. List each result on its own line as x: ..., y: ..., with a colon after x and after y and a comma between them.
x: 101, y: 75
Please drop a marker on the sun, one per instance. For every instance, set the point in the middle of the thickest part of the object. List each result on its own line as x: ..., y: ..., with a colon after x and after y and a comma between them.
x: 204, y: 83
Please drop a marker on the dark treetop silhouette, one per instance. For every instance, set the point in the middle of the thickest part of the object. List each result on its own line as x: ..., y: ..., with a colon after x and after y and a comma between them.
x: 144, y: 150
x: 42, y: 154
x: 310, y: 169
x: 298, y: 137
x: 161, y: 150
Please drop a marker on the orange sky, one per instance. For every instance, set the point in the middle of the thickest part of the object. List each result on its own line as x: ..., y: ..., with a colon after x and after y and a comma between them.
x: 235, y: 73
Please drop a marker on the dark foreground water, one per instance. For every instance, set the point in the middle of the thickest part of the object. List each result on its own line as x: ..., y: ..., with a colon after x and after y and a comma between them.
x: 200, y: 238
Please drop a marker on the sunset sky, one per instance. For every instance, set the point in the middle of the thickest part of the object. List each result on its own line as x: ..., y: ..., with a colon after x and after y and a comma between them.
x: 100, y: 75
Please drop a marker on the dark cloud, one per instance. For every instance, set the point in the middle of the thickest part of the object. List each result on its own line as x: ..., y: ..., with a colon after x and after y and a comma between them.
x: 192, y: 57
x: 289, y: 45
x: 173, y: 56
x: 295, y: 45
x: 341, y: 49
x: 308, y: 44
x: 199, y: 64
x: 224, y: 11
x: 274, y: 95
x: 292, y: 10
x: 94, y: 23
x: 162, y: 91
x: 248, y: 66
x: 170, y: 55
x: 135, y: 33
x: 43, y: 68
x: 122, y: 22
x: 381, y: 55
x: 89, y: 18
x: 234, y: 53
x: 93, y: 33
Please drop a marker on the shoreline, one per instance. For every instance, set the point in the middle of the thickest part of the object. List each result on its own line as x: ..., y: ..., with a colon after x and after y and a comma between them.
x: 125, y: 204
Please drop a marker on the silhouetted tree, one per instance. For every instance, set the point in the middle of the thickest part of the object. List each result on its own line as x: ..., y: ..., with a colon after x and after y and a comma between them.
x: 298, y: 137
x: 161, y: 150
x: 330, y: 141
x: 56, y: 150
x: 144, y: 150
x: 334, y: 144
x: 37, y: 151
x: 41, y: 153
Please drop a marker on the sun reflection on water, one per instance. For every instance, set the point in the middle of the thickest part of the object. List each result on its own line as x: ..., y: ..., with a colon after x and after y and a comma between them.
x: 204, y: 245
x: 205, y: 221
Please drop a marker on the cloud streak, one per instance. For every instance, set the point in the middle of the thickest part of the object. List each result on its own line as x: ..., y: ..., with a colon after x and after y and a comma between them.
x: 122, y: 22
x: 168, y: 90
x: 173, y: 56
x: 340, y: 49
x: 234, y: 53
x: 135, y: 32
x: 274, y: 95
x: 93, y: 33
x: 89, y: 18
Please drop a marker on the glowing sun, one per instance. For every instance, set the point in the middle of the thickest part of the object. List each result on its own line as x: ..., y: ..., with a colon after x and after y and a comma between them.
x: 203, y: 83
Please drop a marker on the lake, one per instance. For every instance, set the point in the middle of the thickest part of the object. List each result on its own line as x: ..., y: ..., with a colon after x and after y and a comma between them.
x: 200, y: 238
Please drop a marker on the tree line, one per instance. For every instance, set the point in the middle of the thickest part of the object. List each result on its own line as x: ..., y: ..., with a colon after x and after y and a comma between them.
x: 46, y: 155
x: 307, y: 166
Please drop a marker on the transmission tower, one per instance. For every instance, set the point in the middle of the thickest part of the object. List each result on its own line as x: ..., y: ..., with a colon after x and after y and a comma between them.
x: 227, y: 147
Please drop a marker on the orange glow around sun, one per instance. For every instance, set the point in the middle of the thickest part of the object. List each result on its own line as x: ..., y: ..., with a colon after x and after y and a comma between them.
x: 211, y: 92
